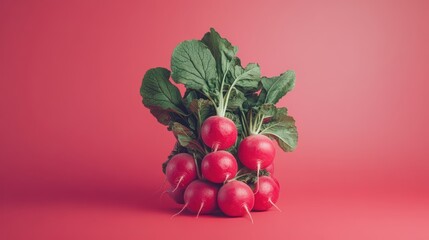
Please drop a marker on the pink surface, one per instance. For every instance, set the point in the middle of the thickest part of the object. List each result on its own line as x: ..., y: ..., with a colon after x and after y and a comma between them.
x: 80, y: 156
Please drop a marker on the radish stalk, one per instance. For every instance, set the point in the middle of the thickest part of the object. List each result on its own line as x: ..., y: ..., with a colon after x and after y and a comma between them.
x: 248, y: 213
x: 223, y: 100
x: 177, y: 186
x: 181, y: 210
x: 274, y: 205
x: 257, y: 177
x: 160, y: 188
x: 219, y: 132
x: 199, y: 211
x: 198, y: 169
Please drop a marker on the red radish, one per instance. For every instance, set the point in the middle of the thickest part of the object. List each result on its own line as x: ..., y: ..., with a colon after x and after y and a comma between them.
x: 235, y: 199
x: 181, y: 170
x: 219, y: 166
x: 200, y: 197
x: 219, y: 133
x: 277, y: 181
x: 177, y: 195
x: 267, y: 195
x: 256, y: 152
x: 270, y: 169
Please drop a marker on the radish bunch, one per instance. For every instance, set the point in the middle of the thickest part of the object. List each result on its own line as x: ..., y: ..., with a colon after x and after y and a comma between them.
x: 226, y: 125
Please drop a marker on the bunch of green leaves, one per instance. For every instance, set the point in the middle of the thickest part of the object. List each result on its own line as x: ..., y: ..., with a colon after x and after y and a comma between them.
x: 217, y: 84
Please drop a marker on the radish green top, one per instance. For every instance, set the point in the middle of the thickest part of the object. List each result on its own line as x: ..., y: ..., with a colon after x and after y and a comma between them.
x: 217, y: 84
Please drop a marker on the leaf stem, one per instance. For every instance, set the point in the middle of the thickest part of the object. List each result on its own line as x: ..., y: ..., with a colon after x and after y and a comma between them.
x: 255, y: 122
x: 196, y: 164
x: 221, y: 108
x: 227, y: 95
x: 260, y: 121
x: 250, y: 122
x: 244, y: 121
x: 237, y: 177
x: 214, y: 103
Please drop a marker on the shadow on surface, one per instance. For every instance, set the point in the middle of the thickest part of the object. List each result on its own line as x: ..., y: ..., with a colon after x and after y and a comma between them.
x: 140, y: 198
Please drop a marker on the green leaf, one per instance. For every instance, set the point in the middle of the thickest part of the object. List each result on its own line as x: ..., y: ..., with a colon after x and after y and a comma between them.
x: 236, y: 119
x: 164, y: 117
x: 267, y: 110
x: 273, y: 89
x: 236, y: 99
x: 158, y: 93
x: 202, y: 109
x: 193, y: 64
x: 183, y: 134
x: 250, y: 77
x: 282, y: 128
x: 189, y: 96
x: 186, y: 137
x: 251, y: 101
x: 192, y: 123
x: 222, y: 50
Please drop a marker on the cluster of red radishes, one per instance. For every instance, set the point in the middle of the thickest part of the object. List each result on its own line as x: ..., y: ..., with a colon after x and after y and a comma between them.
x: 225, y: 124
x: 217, y: 186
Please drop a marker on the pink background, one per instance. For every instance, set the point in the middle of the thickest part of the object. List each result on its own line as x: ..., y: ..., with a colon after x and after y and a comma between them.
x: 80, y: 157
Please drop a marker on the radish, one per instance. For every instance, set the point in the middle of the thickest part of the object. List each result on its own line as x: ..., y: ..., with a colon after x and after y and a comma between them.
x: 219, y: 132
x: 181, y: 170
x: 225, y: 122
x: 270, y: 168
x: 277, y: 181
x: 177, y: 195
x: 256, y: 152
x: 235, y: 199
x: 200, y: 197
x: 218, y: 167
x: 267, y: 195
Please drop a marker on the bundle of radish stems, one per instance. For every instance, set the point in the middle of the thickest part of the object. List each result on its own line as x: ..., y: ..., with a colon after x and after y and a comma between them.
x: 226, y: 125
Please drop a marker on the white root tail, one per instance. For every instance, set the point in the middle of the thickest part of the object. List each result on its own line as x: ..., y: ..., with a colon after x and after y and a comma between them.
x: 226, y: 178
x: 201, y: 208
x: 177, y: 186
x: 215, y: 147
x: 248, y: 213
x: 274, y: 205
x: 181, y: 210
x: 160, y: 188
x: 163, y: 193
